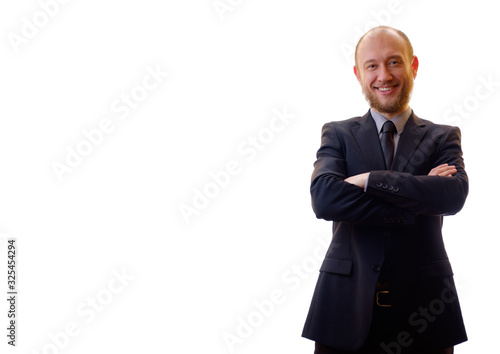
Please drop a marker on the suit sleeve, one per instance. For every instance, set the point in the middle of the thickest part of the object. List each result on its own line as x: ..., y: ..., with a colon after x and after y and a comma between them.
x: 334, y: 199
x: 423, y: 194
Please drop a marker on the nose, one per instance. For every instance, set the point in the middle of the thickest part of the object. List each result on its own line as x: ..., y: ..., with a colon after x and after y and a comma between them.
x: 384, y: 74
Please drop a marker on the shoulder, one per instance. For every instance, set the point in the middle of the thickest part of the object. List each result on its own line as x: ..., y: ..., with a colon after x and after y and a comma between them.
x: 346, y: 124
x: 434, y: 128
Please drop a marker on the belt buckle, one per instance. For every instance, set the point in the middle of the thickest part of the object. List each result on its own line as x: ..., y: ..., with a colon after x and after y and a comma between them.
x: 378, y: 298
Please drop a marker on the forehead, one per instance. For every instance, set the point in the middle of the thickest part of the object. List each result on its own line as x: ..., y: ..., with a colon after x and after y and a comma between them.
x: 381, y: 44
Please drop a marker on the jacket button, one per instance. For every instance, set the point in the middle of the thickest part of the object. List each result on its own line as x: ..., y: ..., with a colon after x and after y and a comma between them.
x: 387, y: 233
x: 376, y: 268
x: 379, y: 184
x: 395, y: 190
x: 384, y: 186
x: 390, y: 188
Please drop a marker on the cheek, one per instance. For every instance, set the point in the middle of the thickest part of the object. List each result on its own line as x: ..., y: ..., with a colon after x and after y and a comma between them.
x: 405, y: 75
x: 367, y: 81
x: 370, y: 84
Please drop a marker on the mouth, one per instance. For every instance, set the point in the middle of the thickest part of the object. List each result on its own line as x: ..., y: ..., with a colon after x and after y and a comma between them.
x: 386, y: 90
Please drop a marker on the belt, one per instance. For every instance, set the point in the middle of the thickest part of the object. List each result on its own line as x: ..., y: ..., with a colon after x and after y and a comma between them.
x: 382, y: 298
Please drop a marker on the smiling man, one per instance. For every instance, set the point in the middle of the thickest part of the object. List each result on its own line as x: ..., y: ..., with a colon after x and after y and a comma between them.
x: 388, y: 68
x: 386, y: 180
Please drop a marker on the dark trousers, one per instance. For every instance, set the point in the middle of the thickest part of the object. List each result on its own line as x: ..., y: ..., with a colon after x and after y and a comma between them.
x: 323, y: 349
x: 381, y: 338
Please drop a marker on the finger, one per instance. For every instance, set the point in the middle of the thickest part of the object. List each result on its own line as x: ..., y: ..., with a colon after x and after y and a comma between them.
x: 452, y: 169
x: 449, y: 168
x: 442, y: 165
x: 443, y: 170
x: 434, y: 172
x: 438, y: 170
x: 448, y: 172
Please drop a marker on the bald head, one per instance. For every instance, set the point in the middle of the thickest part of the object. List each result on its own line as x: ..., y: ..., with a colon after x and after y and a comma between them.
x: 386, y: 68
x: 385, y: 29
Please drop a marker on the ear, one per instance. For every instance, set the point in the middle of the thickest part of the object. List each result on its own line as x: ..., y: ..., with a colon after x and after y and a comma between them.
x: 414, y: 66
x: 356, y: 72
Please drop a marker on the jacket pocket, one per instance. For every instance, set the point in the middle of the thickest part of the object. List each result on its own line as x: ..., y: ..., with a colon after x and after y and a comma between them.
x: 436, y: 269
x: 337, y: 266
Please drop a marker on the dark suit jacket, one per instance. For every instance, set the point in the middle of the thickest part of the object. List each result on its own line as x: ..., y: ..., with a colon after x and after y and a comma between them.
x: 396, y: 224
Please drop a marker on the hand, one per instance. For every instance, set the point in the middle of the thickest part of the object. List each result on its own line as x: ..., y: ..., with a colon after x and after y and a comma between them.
x: 443, y: 170
x: 358, y: 180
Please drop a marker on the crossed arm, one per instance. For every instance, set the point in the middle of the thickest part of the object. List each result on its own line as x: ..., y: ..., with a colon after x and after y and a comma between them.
x: 389, y: 194
x: 443, y: 170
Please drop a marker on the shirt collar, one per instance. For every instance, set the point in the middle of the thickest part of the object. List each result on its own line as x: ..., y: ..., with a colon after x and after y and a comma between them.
x: 399, y: 121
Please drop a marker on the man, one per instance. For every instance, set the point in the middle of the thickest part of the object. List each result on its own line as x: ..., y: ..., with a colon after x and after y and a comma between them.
x: 386, y: 180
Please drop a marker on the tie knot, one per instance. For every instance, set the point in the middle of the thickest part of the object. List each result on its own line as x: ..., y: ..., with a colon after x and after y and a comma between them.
x: 388, y: 127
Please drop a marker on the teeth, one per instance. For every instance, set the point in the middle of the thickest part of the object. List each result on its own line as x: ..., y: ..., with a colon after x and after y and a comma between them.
x: 384, y: 89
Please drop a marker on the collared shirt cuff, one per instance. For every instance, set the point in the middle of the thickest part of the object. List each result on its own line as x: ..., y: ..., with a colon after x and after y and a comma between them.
x: 366, y: 183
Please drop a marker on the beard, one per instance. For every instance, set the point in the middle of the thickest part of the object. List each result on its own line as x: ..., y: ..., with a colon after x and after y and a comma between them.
x: 396, y: 105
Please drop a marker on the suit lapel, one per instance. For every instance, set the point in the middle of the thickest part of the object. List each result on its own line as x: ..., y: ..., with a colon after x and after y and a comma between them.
x: 366, y: 135
x: 413, y: 134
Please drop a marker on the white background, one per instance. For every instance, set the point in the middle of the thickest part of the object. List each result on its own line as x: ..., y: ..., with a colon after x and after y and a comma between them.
x: 118, y: 209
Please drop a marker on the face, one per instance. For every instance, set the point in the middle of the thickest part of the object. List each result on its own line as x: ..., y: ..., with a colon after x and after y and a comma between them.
x: 385, y: 72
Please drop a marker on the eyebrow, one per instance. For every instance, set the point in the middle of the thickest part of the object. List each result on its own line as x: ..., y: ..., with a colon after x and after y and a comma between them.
x: 394, y: 56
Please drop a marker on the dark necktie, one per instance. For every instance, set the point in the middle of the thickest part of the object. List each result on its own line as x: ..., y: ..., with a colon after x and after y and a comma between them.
x: 387, y: 142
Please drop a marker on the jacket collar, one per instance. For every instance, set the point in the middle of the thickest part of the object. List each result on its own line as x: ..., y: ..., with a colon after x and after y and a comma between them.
x: 414, y: 132
x: 366, y: 135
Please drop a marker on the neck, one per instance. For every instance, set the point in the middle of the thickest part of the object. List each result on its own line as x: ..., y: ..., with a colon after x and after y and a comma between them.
x: 392, y: 115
